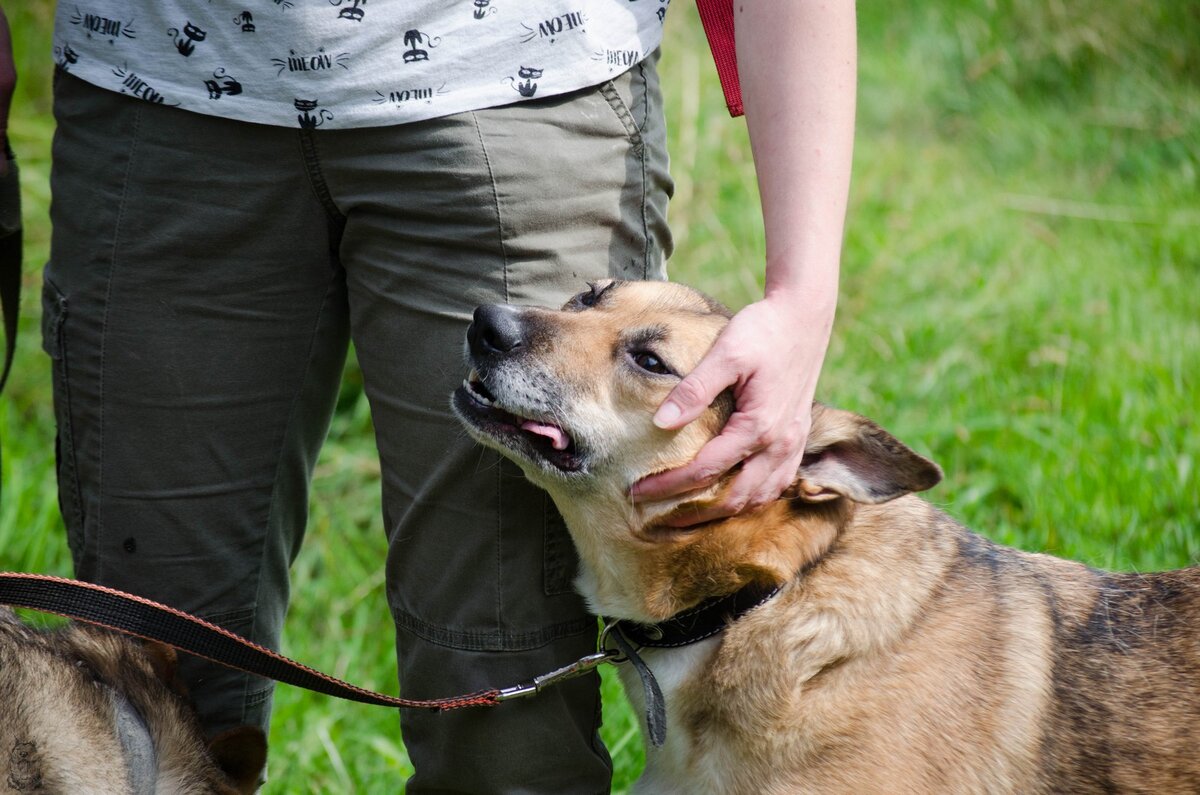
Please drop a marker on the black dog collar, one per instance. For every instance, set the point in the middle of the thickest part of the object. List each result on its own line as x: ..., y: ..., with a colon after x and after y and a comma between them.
x: 691, y: 626
x: 702, y: 621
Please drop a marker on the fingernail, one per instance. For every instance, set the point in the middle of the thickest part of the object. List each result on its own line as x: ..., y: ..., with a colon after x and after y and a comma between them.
x: 667, y: 413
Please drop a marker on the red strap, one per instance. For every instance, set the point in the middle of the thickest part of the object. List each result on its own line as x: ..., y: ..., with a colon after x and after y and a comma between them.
x: 133, y: 615
x: 717, y: 18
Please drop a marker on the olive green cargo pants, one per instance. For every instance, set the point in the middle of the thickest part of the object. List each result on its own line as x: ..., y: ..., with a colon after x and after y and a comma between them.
x: 205, y: 278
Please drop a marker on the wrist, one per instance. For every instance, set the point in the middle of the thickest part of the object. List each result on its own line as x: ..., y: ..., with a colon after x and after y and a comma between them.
x: 816, y: 292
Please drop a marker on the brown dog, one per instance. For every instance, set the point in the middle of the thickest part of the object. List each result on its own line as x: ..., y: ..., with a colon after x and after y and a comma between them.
x: 87, y: 711
x: 902, y: 653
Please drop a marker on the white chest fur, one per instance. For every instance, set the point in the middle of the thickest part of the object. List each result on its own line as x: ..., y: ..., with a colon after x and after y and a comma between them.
x: 676, y: 767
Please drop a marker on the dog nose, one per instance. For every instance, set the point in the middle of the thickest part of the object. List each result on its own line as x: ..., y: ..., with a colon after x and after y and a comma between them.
x: 496, y: 328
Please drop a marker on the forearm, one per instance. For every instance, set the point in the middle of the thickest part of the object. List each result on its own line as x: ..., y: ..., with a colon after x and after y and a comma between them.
x: 797, y: 60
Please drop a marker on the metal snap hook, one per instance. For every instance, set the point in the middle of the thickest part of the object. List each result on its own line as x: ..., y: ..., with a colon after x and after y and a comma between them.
x: 617, y: 656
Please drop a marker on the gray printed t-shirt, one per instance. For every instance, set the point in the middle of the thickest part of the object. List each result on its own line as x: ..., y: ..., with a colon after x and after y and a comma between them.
x: 350, y: 63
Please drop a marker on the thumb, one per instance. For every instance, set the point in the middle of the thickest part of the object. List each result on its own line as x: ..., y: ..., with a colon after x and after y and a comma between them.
x: 693, y: 394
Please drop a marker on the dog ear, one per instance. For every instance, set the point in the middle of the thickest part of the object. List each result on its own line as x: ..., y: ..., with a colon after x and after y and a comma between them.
x: 163, y: 660
x: 850, y: 456
x: 242, y: 754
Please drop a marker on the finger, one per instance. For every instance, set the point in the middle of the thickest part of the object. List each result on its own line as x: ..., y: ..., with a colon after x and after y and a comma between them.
x: 762, y: 480
x: 693, y: 514
x: 759, y: 483
x: 696, y: 392
x: 714, y: 460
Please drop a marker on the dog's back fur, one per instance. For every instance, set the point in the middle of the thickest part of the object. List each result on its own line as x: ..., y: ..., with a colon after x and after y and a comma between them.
x: 87, y: 711
x: 916, y: 656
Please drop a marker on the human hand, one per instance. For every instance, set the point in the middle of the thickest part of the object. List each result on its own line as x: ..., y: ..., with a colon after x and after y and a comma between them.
x: 771, y: 354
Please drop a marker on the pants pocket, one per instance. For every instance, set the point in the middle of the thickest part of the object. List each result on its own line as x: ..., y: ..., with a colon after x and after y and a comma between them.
x: 54, y: 343
x: 621, y: 106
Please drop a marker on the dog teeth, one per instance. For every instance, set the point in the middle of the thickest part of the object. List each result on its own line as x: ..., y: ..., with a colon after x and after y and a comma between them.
x: 475, y: 393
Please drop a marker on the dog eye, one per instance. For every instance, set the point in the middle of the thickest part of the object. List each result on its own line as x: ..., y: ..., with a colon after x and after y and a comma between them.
x: 86, y: 668
x: 590, y: 296
x: 582, y: 301
x: 650, y: 363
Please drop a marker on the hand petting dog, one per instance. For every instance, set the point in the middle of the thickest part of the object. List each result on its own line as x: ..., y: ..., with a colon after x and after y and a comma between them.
x: 770, y: 354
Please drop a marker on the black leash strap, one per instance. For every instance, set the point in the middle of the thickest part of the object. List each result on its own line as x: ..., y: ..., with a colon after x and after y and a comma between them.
x: 149, y: 620
x: 10, y: 266
x: 656, y: 705
x: 10, y: 260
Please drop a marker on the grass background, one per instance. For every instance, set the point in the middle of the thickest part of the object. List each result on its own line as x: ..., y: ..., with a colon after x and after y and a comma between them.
x: 1020, y: 300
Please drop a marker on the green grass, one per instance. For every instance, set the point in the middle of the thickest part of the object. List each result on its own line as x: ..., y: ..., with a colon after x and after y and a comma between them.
x: 1020, y: 300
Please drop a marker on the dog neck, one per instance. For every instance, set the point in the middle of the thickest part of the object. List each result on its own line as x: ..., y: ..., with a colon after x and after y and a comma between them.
x: 645, y: 572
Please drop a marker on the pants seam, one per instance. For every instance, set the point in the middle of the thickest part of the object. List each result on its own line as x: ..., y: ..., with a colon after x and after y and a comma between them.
x: 316, y: 177
x: 487, y: 161
x: 54, y: 314
x: 112, y: 269
x: 641, y: 153
x: 598, y: 746
x: 609, y: 91
x: 499, y: 543
x: 248, y: 688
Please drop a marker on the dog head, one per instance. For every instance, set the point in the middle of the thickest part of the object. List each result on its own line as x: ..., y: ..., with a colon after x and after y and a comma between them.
x: 570, y: 394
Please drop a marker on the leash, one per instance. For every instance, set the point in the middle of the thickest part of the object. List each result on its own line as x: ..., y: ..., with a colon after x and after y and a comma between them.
x: 148, y: 620
x: 10, y: 260
x: 10, y: 263
x: 142, y: 618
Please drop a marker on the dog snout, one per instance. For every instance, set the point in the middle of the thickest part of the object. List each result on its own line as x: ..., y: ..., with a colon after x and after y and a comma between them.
x: 496, y: 329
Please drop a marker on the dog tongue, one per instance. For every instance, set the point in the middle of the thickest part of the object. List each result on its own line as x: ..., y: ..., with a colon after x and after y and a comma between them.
x: 558, y: 439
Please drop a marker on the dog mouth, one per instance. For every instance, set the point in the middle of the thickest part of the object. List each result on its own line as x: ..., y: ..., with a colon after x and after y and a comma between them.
x: 538, y: 439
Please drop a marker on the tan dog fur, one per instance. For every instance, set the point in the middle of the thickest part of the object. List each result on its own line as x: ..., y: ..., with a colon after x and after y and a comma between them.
x: 60, y: 695
x: 905, y: 654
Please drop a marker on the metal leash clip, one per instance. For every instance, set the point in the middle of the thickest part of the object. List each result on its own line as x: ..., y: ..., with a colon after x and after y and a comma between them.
x: 577, y: 668
x: 618, y: 656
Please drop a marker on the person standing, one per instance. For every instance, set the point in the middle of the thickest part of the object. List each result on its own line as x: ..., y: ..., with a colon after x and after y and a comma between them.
x: 237, y: 194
